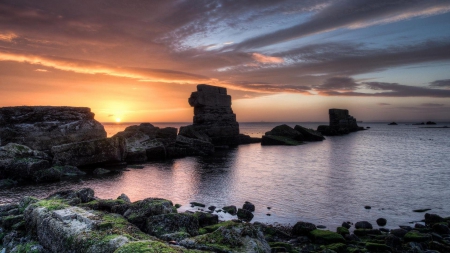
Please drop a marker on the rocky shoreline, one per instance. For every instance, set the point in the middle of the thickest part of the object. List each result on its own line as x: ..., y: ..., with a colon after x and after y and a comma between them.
x: 77, y: 221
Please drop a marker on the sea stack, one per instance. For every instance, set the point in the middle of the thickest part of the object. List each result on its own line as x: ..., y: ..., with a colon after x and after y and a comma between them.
x: 214, y: 119
x: 341, y: 122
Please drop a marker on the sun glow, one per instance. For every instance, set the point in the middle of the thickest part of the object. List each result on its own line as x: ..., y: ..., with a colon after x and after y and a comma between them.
x: 118, y: 120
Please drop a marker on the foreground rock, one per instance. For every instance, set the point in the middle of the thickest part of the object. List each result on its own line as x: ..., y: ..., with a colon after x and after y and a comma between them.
x: 340, y: 123
x: 282, y: 135
x: 214, y: 120
x: 76, y: 221
x: 42, y: 127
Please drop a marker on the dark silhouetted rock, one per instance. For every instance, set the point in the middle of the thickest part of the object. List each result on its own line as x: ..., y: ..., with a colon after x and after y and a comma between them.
x: 381, y: 222
x: 303, y: 228
x: 392, y: 124
x: 100, y: 171
x: 282, y: 135
x: 431, y: 219
x: 230, y: 209
x: 124, y: 197
x: 246, y: 139
x: 214, y: 119
x: 42, y: 127
x: 430, y: 123
x: 101, y: 151
x: 206, y: 219
x: 139, y: 211
x: 248, y: 206
x: 340, y: 123
x: 346, y: 225
x: 309, y: 134
x: 244, y: 215
x: 363, y: 225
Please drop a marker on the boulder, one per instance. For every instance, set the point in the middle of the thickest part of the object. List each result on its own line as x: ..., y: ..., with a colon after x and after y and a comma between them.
x: 303, y: 228
x: 248, y: 206
x: 309, y: 134
x: 244, y: 215
x: 42, y: 127
x: 230, y: 209
x: 282, y: 135
x: 431, y: 219
x: 363, y: 225
x: 101, y: 151
x: 392, y: 124
x: 159, y: 225
x: 139, y: 211
x: 21, y: 162
x: 381, y: 222
x: 214, y: 120
x: 206, y: 219
x: 237, y: 237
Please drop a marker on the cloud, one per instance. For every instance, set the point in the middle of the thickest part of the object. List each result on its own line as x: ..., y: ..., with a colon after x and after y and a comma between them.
x: 381, y: 89
x: 432, y: 105
x: 338, y: 83
x: 383, y: 104
x: 41, y: 70
x: 441, y: 83
x: 349, y: 14
x: 266, y: 59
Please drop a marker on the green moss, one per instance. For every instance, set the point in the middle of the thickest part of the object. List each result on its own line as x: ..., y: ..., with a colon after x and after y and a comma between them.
x: 29, y: 247
x: 25, y: 202
x: 214, y: 227
x: 337, y: 247
x: 202, y: 231
x: 326, y: 237
x: 152, y: 247
x: 19, y: 226
x: 52, y: 204
x: 342, y: 231
x: 415, y: 236
x: 287, y: 246
x: 375, y: 247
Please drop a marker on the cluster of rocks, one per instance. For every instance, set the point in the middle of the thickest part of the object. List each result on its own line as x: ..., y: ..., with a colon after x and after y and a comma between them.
x: 214, y: 120
x: 77, y: 221
x: 286, y: 135
x: 340, y: 123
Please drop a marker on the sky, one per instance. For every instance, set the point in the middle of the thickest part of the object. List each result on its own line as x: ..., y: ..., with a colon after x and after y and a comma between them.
x: 281, y: 61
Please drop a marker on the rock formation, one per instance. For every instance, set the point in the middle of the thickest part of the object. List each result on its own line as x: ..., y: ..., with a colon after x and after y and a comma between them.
x: 213, y: 117
x: 286, y: 135
x: 42, y: 127
x: 340, y: 123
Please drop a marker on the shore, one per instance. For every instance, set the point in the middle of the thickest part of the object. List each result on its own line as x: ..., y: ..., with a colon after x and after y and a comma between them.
x: 77, y: 221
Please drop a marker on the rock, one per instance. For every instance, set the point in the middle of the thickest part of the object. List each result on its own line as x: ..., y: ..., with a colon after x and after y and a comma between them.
x: 159, y: 225
x: 8, y: 221
x: 197, y: 204
x: 206, y: 219
x: 441, y: 228
x: 326, y: 237
x: 303, y: 228
x: 246, y: 139
x: 393, y: 241
x: 430, y: 123
x: 100, y: 171
x: 212, y: 208
x: 19, y: 162
x: 42, y: 127
x: 365, y: 232
x: 139, y: 211
x: 340, y: 123
x: 392, y: 124
x: 230, y: 209
x: 381, y: 222
x: 399, y: 232
x: 309, y: 134
x: 191, y: 146
x: 238, y: 237
x: 248, y: 206
x: 321, y: 226
x: 101, y: 151
x: 367, y: 207
x: 278, y: 140
x: 415, y: 236
x: 47, y: 175
x: 431, y: 219
x: 7, y: 183
x: 244, y: 215
x: 175, y: 237
x: 363, y: 225
x: 282, y: 135
x: 124, y: 197
x: 342, y: 231
x: 85, y: 195
x: 346, y: 225
x: 213, y: 117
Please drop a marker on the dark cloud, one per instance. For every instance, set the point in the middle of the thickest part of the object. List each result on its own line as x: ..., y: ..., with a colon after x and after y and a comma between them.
x: 432, y: 105
x: 383, y: 104
x: 350, y: 13
x: 338, y: 83
x: 441, y: 83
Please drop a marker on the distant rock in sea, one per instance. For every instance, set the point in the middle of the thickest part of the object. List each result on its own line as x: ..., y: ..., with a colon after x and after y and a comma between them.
x: 392, y: 124
x: 340, y: 123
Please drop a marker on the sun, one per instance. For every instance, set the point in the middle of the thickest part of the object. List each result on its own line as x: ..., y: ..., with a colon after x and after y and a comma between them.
x: 118, y: 120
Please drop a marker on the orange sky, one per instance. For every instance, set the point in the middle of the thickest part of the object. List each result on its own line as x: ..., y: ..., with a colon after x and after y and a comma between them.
x: 281, y: 61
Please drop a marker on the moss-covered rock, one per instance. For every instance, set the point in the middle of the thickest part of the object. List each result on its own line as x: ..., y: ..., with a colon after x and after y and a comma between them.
x: 212, y: 228
x: 47, y: 175
x: 29, y: 247
x: 288, y: 247
x: 366, y: 232
x: 105, y: 204
x: 336, y: 247
x: 159, y: 225
x: 342, y: 231
x: 237, y: 237
x: 415, y: 236
x: 139, y: 211
x: 177, y: 236
x: 326, y: 237
x: 152, y: 247
x: 206, y: 219
x: 230, y: 209
x: 244, y: 215
x: 303, y: 228
x: 377, y: 247
x: 8, y: 221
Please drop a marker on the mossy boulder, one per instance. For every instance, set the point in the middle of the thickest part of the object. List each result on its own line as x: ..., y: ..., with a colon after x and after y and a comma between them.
x: 342, y: 231
x: 303, y: 228
x: 237, y: 237
x: 377, y: 247
x: 8, y: 221
x: 206, y: 219
x: 47, y: 175
x: 230, y: 209
x: 366, y: 232
x: 431, y: 219
x: 139, y: 211
x: 159, y: 225
x: 106, y: 204
x: 415, y: 236
x: 152, y: 247
x: 244, y: 215
x: 326, y: 237
x: 336, y: 247
x: 212, y: 228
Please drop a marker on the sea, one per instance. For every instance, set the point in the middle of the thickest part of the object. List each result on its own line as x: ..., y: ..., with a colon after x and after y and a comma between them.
x: 394, y: 170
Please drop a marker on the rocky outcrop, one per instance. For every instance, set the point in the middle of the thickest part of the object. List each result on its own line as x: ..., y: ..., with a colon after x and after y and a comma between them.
x: 340, y: 123
x: 214, y: 120
x: 282, y: 135
x: 309, y: 134
x: 42, y: 127
x: 101, y: 151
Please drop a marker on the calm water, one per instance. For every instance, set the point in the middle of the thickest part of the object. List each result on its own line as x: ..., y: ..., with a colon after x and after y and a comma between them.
x: 394, y: 169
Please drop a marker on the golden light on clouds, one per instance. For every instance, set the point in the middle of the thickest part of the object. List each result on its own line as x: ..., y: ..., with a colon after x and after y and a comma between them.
x: 267, y: 59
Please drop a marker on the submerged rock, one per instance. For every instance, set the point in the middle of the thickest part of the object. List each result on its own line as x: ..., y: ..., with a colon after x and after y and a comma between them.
x: 42, y: 127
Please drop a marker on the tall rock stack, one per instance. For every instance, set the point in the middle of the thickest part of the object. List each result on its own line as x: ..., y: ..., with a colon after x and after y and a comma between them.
x: 340, y: 123
x: 214, y: 119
